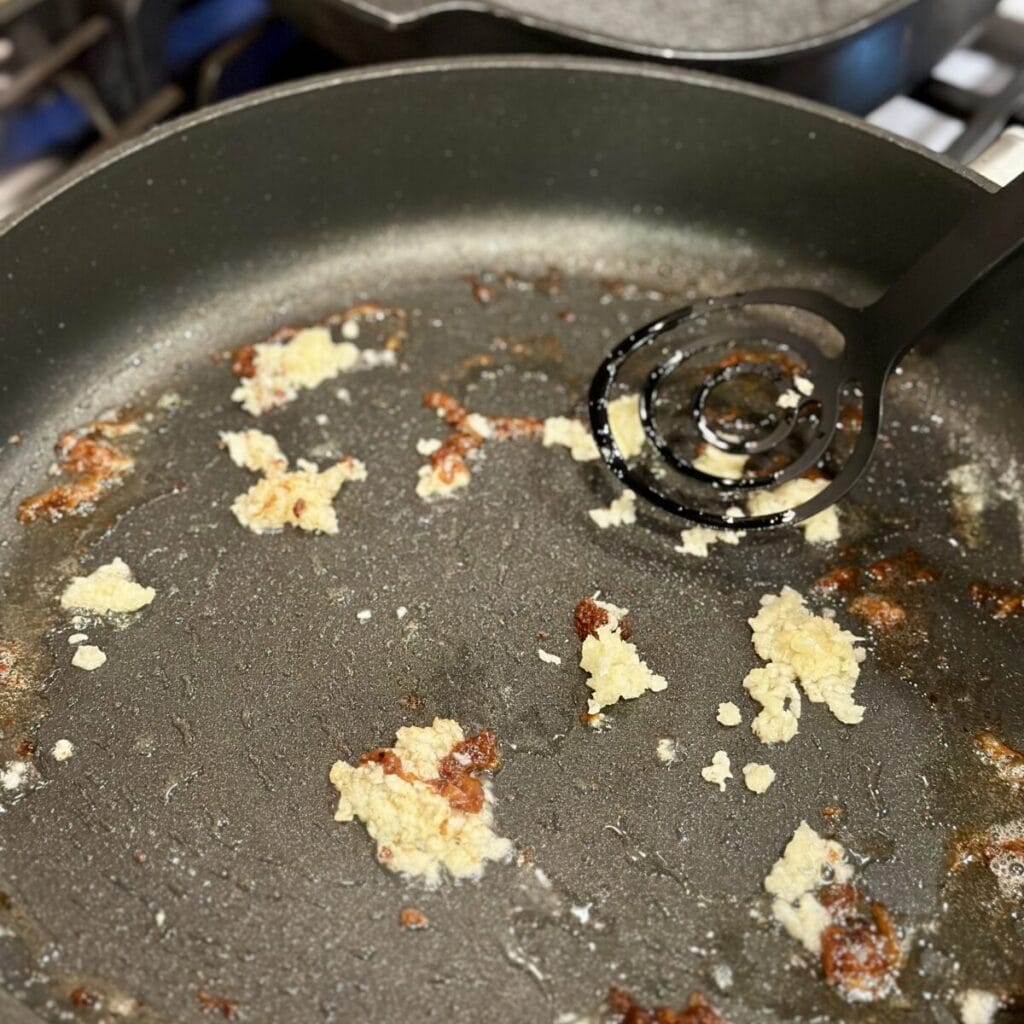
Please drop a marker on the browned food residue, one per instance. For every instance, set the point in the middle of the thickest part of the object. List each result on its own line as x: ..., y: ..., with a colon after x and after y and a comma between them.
x: 483, y: 293
x: 485, y: 287
x: 697, y: 1010
x: 862, y: 584
x: 82, y: 999
x: 1000, y: 602
x: 879, y: 613
x: 589, y: 617
x: 1008, y: 763
x: 456, y: 772
x: 243, y: 358
x: 10, y: 677
x: 88, y: 454
x: 860, y: 950
x: 1000, y: 849
x: 228, y: 1007
x: 413, y: 919
x: 743, y: 356
x: 832, y: 812
x: 449, y: 461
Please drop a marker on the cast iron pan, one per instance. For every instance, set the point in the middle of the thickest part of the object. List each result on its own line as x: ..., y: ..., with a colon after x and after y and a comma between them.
x: 189, y: 844
x: 852, y: 54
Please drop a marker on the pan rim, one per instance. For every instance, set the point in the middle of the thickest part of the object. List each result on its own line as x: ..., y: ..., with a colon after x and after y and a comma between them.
x: 449, y: 65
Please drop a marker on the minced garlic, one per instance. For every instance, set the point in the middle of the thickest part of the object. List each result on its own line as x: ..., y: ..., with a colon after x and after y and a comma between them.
x: 255, y: 451
x: 418, y: 831
x: 62, y: 750
x: 302, y: 498
x: 281, y: 369
x: 109, y: 588
x: 626, y: 428
x: 822, y: 528
x: 822, y: 656
x: 774, y: 688
x: 978, y: 1006
x: 666, y: 751
x: 547, y: 657
x: 621, y: 512
x: 716, y: 462
x: 718, y: 771
x: 88, y: 657
x: 758, y: 777
x: 439, y: 481
x: 615, y: 669
x: 807, y: 863
x: 728, y: 714
x: 623, y: 420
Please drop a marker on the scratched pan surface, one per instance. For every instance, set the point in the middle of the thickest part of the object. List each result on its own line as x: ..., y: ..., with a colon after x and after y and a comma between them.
x: 189, y: 843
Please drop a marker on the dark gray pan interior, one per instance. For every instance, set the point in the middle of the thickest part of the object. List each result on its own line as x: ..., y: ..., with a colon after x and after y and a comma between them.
x: 199, y: 788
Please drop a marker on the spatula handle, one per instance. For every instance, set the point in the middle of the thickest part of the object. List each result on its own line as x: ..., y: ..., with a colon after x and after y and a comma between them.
x: 991, y: 231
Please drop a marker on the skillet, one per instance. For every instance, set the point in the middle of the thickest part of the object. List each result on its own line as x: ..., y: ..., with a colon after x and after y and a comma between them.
x: 188, y: 845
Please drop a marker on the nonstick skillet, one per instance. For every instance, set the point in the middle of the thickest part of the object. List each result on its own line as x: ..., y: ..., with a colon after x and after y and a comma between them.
x: 188, y: 845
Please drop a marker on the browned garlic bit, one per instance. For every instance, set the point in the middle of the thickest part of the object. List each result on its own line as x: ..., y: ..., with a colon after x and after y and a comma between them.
x: 448, y: 469
x: 422, y: 802
x: 272, y: 373
x: 88, y: 454
x: 616, y: 671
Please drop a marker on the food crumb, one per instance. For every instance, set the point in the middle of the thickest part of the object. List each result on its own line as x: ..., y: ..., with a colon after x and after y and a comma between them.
x: 728, y: 714
x: 427, y: 445
x: 413, y: 919
x: 789, y: 399
x: 320, y: 419
x: 365, y: 615
x: 547, y: 657
x: 667, y: 751
x: 978, y: 1006
x: 758, y: 777
x: 401, y: 611
x: 718, y: 771
x: 621, y: 512
x: 62, y: 750
x: 77, y: 638
x: 88, y: 657
x: 227, y: 1007
x: 821, y: 528
x: 697, y: 1010
x: 109, y: 588
x: 696, y: 540
x: 161, y: 918
x: 14, y: 775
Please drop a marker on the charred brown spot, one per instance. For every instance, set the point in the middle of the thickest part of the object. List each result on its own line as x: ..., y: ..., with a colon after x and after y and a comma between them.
x: 1000, y: 602
x: 841, y: 579
x: 742, y: 357
x: 879, y: 613
x: 906, y: 568
x: 82, y: 999
x: 851, y: 419
x: 589, y: 617
x: 413, y: 919
x: 860, y: 950
x: 227, y: 1007
x: 982, y: 848
x: 26, y: 748
x: 697, y: 1010
x: 452, y: 410
x: 483, y: 293
x: 86, y: 452
x: 243, y: 361
x: 833, y: 811
x: 298, y: 508
x: 1008, y: 763
x: 389, y: 761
